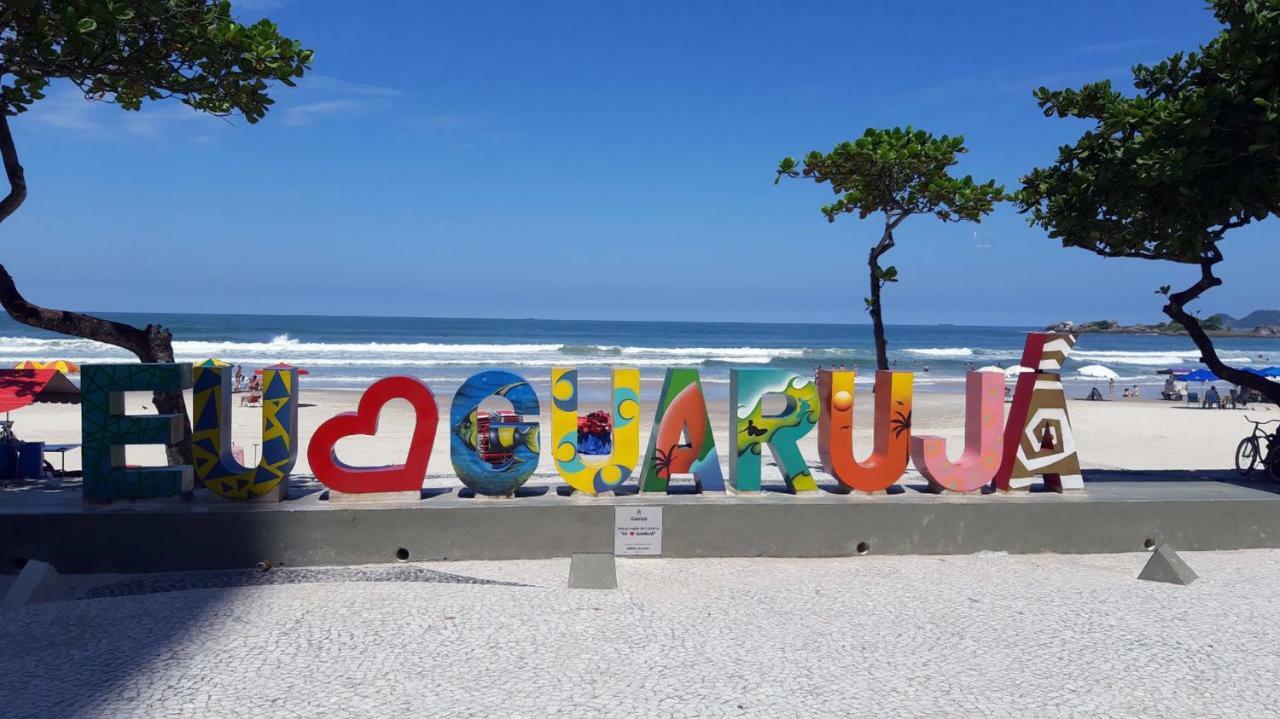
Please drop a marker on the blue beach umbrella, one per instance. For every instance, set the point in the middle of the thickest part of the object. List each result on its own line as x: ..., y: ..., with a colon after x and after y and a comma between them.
x: 1201, y: 375
x: 1269, y: 371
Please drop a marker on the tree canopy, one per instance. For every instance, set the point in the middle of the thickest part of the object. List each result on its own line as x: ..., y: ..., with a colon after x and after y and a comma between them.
x: 899, y: 172
x: 130, y: 51
x: 1166, y: 172
x: 896, y: 172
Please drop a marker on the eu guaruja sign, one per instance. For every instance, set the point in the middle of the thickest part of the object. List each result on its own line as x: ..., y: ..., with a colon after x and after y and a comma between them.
x: 494, y: 454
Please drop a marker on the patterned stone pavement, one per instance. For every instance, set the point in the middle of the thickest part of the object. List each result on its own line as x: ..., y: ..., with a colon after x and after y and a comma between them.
x: 984, y: 635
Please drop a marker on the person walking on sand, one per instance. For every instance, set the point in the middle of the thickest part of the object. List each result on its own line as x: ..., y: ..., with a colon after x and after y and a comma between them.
x: 1111, y: 388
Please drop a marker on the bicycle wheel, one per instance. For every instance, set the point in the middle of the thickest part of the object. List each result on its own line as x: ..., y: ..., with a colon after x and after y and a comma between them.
x: 1246, y: 455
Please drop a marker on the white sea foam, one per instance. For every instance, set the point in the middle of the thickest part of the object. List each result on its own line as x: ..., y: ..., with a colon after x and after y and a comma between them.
x: 940, y: 351
x: 1159, y: 358
x: 285, y: 348
x: 360, y: 363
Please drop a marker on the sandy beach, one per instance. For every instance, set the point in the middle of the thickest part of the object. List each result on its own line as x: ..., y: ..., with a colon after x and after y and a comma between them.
x: 1118, y: 434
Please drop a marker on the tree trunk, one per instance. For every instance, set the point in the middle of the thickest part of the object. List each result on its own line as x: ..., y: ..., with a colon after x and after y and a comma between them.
x: 877, y: 282
x: 153, y: 344
x: 1175, y: 309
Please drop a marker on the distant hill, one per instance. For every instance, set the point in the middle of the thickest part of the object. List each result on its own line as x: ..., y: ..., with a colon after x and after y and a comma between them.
x: 1251, y: 320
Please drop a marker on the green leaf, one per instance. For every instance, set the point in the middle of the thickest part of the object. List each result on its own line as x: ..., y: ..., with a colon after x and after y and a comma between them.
x: 87, y: 24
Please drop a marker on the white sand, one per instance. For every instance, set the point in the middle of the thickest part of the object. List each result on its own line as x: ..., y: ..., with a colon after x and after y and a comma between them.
x: 1120, y: 434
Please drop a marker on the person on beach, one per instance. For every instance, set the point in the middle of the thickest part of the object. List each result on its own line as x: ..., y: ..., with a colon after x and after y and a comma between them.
x: 1111, y: 388
x: 1211, y: 398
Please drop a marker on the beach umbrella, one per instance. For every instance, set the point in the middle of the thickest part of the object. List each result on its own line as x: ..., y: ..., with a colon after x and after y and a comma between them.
x: 1016, y: 370
x: 282, y: 365
x: 63, y: 366
x: 1201, y: 375
x: 990, y: 368
x: 212, y: 362
x: 1270, y: 372
x: 1097, y: 371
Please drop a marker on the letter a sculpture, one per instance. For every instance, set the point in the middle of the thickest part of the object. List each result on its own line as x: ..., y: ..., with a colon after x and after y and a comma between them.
x: 1037, y: 437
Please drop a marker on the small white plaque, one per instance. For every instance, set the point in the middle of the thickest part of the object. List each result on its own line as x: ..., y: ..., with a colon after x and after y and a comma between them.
x: 637, y: 531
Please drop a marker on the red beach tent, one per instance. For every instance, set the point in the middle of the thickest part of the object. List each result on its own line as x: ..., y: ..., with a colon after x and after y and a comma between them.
x: 21, y: 387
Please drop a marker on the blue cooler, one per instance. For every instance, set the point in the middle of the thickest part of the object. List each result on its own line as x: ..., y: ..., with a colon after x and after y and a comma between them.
x: 31, y: 460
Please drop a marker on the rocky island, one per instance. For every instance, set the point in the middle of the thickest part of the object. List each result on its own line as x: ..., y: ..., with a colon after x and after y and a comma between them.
x: 1219, y: 325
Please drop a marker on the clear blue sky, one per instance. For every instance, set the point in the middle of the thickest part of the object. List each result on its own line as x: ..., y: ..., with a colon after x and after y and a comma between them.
x: 594, y: 160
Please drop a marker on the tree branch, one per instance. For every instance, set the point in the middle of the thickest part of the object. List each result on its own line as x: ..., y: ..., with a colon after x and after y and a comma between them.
x: 71, y: 323
x: 12, y: 169
x: 1176, y: 310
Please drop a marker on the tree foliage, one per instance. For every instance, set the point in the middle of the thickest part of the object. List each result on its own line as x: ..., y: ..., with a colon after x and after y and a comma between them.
x: 897, y: 173
x: 1165, y: 172
x: 130, y: 51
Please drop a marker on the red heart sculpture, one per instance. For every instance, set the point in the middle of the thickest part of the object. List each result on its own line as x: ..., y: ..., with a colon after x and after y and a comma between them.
x: 395, y: 478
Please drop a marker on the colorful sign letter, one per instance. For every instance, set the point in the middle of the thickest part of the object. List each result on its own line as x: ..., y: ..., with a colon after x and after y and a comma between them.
x: 1037, y: 437
x: 492, y: 453
x: 892, y: 430
x: 106, y: 429
x: 747, y: 388
x: 603, y: 476
x: 983, y: 440
x: 682, y: 411
x: 211, y: 435
x: 405, y: 477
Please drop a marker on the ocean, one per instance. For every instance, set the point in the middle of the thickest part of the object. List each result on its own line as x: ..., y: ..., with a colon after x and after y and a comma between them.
x: 352, y: 352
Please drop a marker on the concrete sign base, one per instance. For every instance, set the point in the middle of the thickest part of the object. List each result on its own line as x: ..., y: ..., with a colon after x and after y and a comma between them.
x: 593, y: 571
x: 38, y: 582
x: 1166, y: 566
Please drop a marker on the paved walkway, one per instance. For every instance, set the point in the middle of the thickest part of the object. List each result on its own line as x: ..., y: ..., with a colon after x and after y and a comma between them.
x: 984, y: 635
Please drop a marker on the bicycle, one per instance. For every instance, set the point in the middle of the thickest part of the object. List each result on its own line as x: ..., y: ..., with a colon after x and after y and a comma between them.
x: 1250, y: 450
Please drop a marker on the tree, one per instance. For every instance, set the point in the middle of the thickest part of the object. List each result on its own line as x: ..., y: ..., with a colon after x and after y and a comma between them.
x: 1166, y: 173
x: 127, y: 52
x: 897, y: 173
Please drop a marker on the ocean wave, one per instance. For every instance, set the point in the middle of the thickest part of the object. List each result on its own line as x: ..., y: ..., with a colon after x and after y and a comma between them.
x: 1158, y: 358
x: 589, y: 350
x: 331, y: 358
x: 295, y: 351
x: 940, y: 351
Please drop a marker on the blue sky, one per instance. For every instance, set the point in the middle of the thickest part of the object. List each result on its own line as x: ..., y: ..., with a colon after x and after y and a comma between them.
x: 594, y: 160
